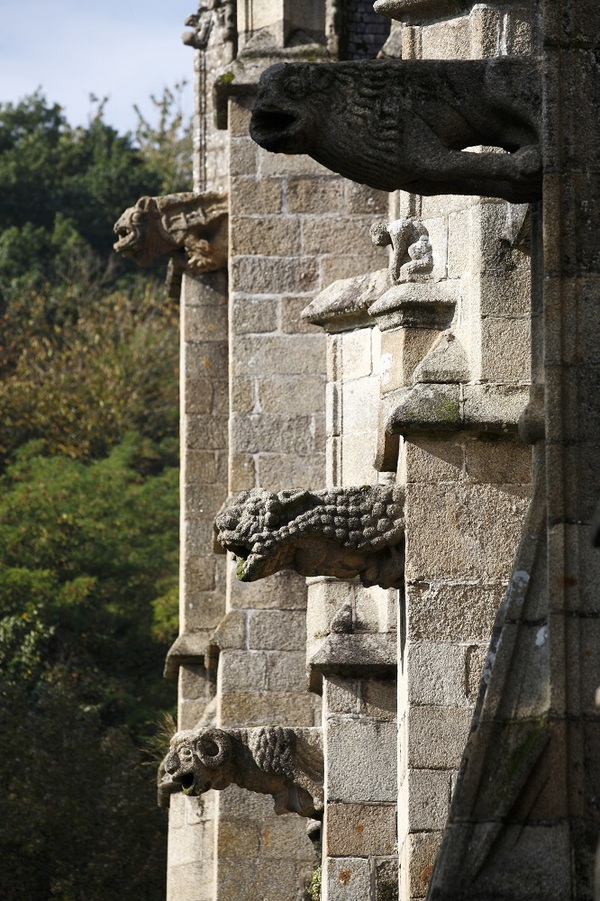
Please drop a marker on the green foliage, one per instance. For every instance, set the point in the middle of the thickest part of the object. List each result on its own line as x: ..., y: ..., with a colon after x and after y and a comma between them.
x: 88, y: 511
x: 78, y: 820
x: 83, y: 375
x: 87, y: 551
x: 89, y: 175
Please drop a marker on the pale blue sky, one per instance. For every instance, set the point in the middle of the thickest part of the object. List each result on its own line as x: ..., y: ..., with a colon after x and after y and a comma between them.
x: 127, y: 49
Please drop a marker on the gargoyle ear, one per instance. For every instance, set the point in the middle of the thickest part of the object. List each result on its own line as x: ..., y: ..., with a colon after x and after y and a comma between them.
x: 214, y: 747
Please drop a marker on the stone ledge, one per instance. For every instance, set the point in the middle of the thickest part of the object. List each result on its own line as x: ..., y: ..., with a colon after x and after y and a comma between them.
x: 188, y: 648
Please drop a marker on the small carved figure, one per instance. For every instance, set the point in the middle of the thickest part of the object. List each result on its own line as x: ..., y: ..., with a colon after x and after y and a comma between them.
x: 405, y: 123
x: 412, y: 253
x: 190, y: 228
x: 271, y: 760
x: 210, y: 13
x: 341, y: 532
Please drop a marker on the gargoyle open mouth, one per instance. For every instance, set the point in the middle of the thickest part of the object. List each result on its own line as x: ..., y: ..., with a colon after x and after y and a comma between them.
x: 187, y: 781
x: 273, y: 128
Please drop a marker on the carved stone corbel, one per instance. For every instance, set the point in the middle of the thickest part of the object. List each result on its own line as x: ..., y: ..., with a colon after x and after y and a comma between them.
x: 340, y: 532
x: 189, y: 228
x: 271, y: 760
x: 405, y: 124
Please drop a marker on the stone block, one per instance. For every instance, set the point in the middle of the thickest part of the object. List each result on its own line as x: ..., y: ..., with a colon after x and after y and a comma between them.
x: 291, y: 320
x: 237, y: 839
x: 274, y: 275
x: 286, y: 671
x: 447, y: 40
x: 243, y: 394
x: 290, y: 394
x: 198, y: 396
x: 252, y: 196
x: 459, y: 243
x: 206, y: 360
x: 342, y: 695
x: 315, y: 195
x: 338, y: 266
x: 332, y: 234
x: 358, y: 453
x: 206, y: 322
x: 244, y: 709
x: 506, y: 350
x: 498, y: 462
x: 364, y: 200
x: 418, y: 858
x: 270, y: 235
x: 254, y: 315
x: 361, y: 761
x: 360, y: 404
x: 231, y: 631
x: 205, y: 466
x: 238, y: 116
x: 258, y: 878
x: 189, y: 843
x: 188, y: 882
x: 199, y: 573
x: 205, y: 432
x: 375, y: 609
x: 283, y: 355
x: 379, y: 699
x: 242, y: 472
x: 433, y: 461
x: 360, y: 830
x: 239, y: 670
x: 282, y: 630
x: 505, y: 293
x: 437, y: 736
x: 424, y: 801
x: 436, y: 674
x: 243, y: 156
x: 284, y: 590
x: 357, y: 354
x: 347, y: 878
x: 401, y: 352
x: 477, y: 530
x: 284, y: 838
x: 279, y: 471
x: 284, y: 164
x: 256, y: 432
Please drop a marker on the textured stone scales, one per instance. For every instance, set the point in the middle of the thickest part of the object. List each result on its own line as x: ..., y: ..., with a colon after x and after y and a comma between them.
x: 340, y: 532
x: 404, y: 123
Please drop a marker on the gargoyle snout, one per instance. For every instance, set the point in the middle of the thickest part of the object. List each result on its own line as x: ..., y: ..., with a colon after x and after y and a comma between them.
x: 172, y: 764
x: 274, y: 128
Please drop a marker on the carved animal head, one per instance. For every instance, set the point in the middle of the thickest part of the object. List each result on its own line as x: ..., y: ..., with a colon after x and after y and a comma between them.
x: 198, y: 761
x: 283, y: 120
x: 139, y: 232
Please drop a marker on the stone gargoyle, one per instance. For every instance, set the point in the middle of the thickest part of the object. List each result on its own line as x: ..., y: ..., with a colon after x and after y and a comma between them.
x: 271, y: 760
x: 404, y: 124
x: 340, y: 532
x: 190, y: 228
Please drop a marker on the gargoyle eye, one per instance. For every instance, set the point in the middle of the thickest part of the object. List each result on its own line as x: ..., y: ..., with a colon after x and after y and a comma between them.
x: 210, y: 748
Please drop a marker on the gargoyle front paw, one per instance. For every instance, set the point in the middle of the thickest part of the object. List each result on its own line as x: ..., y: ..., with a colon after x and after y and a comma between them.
x: 528, y: 161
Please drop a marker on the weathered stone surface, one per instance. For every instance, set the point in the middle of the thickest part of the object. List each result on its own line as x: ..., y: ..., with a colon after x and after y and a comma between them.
x: 341, y: 532
x: 190, y: 228
x: 432, y: 110
x: 360, y: 829
x: 275, y: 761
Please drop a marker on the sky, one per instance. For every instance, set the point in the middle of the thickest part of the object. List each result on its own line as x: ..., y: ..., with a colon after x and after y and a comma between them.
x: 123, y: 49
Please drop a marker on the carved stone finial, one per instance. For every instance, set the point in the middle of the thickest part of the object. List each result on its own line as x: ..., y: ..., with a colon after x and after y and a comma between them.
x: 340, y: 532
x: 412, y: 253
x: 190, y: 228
x: 271, y: 760
x: 405, y: 123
